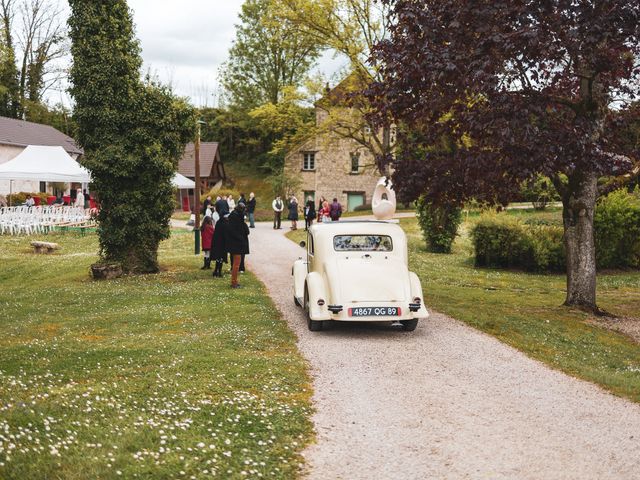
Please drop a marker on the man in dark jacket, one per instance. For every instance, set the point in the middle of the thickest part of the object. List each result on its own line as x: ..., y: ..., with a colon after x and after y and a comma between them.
x: 237, y: 240
x: 219, y: 246
x: 222, y: 207
x: 251, y: 210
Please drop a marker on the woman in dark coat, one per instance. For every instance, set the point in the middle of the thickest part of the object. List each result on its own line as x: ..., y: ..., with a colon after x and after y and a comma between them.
x: 219, y: 246
x: 237, y: 240
x: 309, y: 213
x: 293, y: 212
x: 206, y: 234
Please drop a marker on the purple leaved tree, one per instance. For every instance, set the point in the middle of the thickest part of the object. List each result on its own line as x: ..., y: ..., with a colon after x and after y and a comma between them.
x: 514, y: 89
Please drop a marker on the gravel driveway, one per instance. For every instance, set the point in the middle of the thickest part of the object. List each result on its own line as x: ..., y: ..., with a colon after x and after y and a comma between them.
x: 445, y: 401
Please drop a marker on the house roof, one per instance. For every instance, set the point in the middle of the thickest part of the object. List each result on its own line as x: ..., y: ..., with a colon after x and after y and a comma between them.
x: 208, y: 154
x: 343, y: 93
x: 21, y: 133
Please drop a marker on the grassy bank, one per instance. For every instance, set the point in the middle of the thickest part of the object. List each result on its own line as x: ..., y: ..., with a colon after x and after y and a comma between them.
x: 171, y: 375
x: 524, y: 310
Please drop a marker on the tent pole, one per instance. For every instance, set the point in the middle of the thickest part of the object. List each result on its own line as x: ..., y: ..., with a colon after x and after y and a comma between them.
x: 10, y: 191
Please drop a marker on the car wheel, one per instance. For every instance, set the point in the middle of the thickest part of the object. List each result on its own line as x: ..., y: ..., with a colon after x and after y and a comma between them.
x: 295, y: 300
x: 314, y: 325
x: 409, y: 325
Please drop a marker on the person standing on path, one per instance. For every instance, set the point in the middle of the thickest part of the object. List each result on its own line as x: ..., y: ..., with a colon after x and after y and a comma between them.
x: 309, y: 213
x: 206, y: 233
x: 278, y: 207
x: 320, y: 205
x: 222, y: 207
x: 206, y: 203
x: 251, y: 209
x: 293, y: 212
x: 219, y: 246
x: 237, y: 241
x: 335, y: 210
x: 231, y: 202
x: 324, y: 213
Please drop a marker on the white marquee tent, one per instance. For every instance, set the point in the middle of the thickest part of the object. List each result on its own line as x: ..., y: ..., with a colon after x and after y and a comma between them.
x: 183, y: 183
x: 45, y: 164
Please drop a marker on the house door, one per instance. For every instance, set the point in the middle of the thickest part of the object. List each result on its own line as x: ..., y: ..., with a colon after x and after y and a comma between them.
x: 354, y: 200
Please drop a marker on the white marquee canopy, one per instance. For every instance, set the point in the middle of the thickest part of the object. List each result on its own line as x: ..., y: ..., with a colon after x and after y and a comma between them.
x: 54, y: 164
x: 182, y: 182
x: 45, y: 164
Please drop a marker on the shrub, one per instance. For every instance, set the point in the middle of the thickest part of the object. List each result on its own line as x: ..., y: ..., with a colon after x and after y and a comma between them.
x: 502, y: 241
x: 439, y: 224
x: 20, y: 197
x: 548, y: 247
x: 617, y: 226
x: 539, y: 191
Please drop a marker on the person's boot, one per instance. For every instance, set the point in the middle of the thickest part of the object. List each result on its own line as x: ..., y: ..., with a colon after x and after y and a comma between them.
x: 209, y: 263
x: 204, y: 265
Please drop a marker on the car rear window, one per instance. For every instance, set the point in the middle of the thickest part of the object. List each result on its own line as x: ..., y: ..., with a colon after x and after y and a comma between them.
x: 362, y: 243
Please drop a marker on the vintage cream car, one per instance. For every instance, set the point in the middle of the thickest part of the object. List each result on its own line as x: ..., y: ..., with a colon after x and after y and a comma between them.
x: 356, y: 271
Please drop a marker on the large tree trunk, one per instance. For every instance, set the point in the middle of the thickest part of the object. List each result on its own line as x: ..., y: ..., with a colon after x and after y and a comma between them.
x: 579, y: 204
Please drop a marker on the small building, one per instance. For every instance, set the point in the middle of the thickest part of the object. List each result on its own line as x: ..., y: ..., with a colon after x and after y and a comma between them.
x: 16, y: 135
x: 211, y: 170
x: 211, y: 166
x: 332, y: 165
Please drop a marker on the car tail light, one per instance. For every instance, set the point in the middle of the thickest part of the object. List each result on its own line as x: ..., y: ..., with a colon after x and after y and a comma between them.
x: 321, y: 302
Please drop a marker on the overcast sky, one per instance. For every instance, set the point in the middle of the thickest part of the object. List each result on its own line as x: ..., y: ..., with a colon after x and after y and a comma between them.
x: 185, y: 42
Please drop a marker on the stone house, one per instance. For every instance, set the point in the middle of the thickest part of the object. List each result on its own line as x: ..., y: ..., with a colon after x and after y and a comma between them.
x: 16, y: 135
x: 331, y: 165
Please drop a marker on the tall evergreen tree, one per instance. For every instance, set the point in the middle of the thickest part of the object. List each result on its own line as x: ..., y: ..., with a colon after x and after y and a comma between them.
x: 133, y: 133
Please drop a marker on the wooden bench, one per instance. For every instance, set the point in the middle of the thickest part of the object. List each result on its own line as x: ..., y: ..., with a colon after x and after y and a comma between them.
x: 44, y: 247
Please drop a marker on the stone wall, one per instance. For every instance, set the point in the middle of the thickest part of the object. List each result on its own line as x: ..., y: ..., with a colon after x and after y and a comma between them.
x: 332, y: 177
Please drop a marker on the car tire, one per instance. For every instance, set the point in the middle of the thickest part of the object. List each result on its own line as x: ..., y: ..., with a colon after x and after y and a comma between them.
x: 314, y: 325
x: 409, y: 325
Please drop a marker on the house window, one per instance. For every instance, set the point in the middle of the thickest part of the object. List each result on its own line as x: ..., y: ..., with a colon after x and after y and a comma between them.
x: 355, y: 163
x: 309, y: 161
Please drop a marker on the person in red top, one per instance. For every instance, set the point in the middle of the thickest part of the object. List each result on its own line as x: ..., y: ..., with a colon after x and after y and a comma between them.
x: 324, y: 213
x: 206, y: 233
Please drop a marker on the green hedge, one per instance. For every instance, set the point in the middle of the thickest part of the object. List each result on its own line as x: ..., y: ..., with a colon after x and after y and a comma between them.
x: 617, y: 222
x: 20, y: 197
x: 439, y: 224
x: 507, y: 242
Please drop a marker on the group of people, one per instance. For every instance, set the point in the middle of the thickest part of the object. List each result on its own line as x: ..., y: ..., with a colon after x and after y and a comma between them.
x: 326, y: 212
x: 225, y: 234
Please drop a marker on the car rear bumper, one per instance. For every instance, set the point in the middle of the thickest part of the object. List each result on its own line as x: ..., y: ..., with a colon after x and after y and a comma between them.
x: 344, y: 314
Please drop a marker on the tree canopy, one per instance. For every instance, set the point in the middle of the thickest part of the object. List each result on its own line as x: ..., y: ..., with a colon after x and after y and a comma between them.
x: 497, y: 92
x: 267, y: 56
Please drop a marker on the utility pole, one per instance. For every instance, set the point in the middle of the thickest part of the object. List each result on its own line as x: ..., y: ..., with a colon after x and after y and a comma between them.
x: 196, y: 191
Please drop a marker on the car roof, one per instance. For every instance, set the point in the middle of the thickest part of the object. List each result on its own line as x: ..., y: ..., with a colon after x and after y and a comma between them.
x: 355, y: 227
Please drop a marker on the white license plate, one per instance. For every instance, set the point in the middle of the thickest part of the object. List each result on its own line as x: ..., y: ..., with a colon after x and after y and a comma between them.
x: 375, y: 312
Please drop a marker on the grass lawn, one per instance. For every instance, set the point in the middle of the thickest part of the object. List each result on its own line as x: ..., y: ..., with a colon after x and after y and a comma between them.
x: 524, y: 310
x: 159, y: 376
